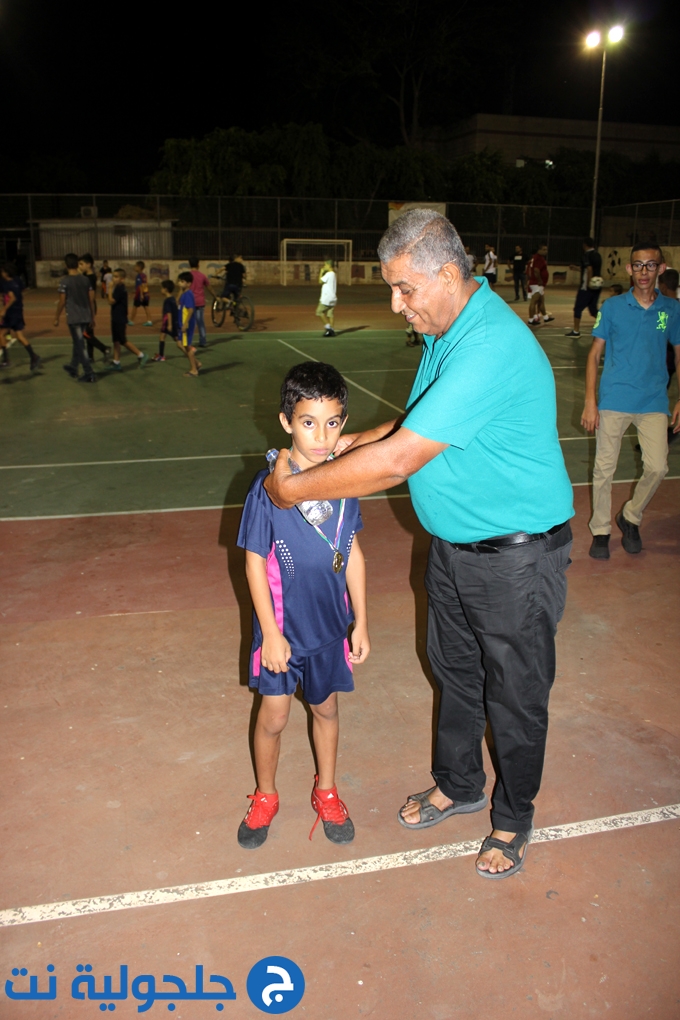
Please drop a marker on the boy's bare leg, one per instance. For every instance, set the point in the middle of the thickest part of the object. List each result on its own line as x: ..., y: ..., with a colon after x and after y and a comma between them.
x: 330, y: 315
x: 271, y: 722
x: 325, y: 731
x: 131, y: 347
x: 195, y: 364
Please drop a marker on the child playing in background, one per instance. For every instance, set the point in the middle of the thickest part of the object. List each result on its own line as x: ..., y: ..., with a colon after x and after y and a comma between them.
x: 86, y: 267
x: 169, y: 325
x: 299, y: 577
x: 12, y: 288
x: 117, y: 298
x: 328, y: 298
x: 141, y: 298
x: 187, y: 321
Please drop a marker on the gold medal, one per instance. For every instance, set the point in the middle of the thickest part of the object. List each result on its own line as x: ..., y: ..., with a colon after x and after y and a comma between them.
x: 338, y: 562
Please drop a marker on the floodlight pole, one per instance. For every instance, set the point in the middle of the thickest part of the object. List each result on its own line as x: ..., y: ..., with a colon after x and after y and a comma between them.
x: 598, y: 144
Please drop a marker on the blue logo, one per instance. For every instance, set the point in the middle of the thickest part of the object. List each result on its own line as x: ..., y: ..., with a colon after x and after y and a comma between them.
x: 275, y: 985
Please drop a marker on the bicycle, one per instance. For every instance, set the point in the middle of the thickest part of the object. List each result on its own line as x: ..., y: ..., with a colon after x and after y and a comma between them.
x: 241, y: 310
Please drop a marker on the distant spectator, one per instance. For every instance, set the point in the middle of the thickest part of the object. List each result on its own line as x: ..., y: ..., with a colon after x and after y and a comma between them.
x: 200, y: 284
x: 118, y: 299
x: 234, y: 278
x: 141, y: 298
x: 490, y: 265
x: 170, y: 320
x: 588, y: 293
x: 518, y: 264
x: 86, y: 267
x: 12, y: 288
x: 537, y: 278
x: 76, y: 294
x: 104, y: 272
x: 328, y: 297
x: 472, y: 260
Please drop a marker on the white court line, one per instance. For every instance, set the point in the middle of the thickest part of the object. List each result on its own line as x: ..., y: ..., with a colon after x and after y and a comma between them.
x: 347, y: 379
x: 318, y: 873
x: 146, y: 460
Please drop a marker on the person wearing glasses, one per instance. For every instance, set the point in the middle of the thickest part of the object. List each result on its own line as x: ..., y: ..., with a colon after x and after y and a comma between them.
x: 632, y: 330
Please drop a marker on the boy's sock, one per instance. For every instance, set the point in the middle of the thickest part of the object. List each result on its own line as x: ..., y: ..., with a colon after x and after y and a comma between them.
x: 161, y: 348
x: 31, y: 353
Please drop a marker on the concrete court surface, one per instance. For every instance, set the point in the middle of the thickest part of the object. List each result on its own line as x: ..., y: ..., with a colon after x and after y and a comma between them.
x: 126, y: 766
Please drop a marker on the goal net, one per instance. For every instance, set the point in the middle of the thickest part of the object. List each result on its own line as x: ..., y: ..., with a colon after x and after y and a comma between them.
x: 302, y: 259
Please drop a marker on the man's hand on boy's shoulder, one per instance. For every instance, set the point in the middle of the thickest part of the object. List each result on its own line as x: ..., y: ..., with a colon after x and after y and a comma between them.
x: 361, y: 645
x: 274, y: 483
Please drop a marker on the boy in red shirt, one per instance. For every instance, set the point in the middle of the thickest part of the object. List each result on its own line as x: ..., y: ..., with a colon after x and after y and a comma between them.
x: 537, y: 278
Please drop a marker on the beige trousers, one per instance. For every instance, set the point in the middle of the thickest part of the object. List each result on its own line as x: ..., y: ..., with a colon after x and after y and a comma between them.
x: 653, y: 436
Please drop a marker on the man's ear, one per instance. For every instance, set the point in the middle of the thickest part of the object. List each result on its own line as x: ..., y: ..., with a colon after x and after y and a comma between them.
x: 450, y: 274
x: 662, y: 269
x: 285, y: 424
x: 629, y: 269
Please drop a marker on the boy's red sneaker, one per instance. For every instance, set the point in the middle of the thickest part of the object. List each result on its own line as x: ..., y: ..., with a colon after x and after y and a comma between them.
x: 333, y: 813
x: 254, y: 829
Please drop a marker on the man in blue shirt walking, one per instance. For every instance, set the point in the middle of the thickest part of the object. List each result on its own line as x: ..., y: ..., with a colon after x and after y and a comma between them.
x: 633, y: 330
x: 488, y: 481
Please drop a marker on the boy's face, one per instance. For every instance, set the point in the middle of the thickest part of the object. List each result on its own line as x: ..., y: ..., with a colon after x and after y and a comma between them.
x: 183, y: 285
x: 315, y: 429
x: 117, y: 278
x: 164, y: 292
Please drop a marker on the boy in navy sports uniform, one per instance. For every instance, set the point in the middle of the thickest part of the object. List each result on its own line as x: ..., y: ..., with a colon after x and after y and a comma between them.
x: 169, y: 320
x: 299, y: 577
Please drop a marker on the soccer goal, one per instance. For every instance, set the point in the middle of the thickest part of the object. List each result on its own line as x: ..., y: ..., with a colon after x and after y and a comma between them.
x: 302, y: 259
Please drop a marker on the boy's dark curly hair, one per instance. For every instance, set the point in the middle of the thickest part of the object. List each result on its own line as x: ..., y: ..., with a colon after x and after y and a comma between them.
x: 312, y: 380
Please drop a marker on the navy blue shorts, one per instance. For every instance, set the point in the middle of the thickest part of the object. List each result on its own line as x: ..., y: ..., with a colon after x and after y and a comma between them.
x: 14, y: 320
x: 319, y: 675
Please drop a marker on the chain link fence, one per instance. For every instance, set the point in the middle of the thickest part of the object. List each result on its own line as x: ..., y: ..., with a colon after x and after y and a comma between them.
x: 169, y: 226
x: 625, y: 225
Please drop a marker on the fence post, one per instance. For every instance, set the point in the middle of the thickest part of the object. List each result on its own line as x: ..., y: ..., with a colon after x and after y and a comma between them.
x: 95, y: 253
x: 670, y: 225
x: 31, y: 227
x: 219, y: 227
x: 634, y: 238
x: 498, y: 233
x: 335, y: 226
x: 547, y: 240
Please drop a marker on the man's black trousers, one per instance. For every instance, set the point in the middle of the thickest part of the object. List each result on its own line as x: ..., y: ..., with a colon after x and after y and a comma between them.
x: 491, y: 644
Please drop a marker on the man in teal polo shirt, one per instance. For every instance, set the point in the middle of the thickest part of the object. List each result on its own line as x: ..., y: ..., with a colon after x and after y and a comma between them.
x: 488, y: 482
x: 633, y: 330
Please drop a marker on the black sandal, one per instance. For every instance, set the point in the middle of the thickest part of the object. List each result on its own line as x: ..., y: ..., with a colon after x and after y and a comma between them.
x: 510, y: 850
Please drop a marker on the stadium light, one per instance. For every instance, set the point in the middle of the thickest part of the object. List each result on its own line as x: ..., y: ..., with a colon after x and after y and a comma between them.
x: 594, y: 39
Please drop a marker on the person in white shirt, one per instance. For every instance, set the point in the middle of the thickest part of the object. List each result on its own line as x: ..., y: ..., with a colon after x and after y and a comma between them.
x: 328, y: 298
x: 472, y: 260
x: 490, y: 265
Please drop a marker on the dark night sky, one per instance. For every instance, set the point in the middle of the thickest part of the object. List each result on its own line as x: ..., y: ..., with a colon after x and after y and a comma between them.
x: 97, y: 87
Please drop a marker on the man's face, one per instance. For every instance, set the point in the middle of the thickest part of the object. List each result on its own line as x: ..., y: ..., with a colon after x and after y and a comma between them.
x: 645, y: 268
x: 425, y: 302
x: 518, y: 250
x: 543, y: 250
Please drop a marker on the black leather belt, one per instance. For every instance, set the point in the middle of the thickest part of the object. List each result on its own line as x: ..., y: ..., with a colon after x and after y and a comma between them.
x: 494, y: 545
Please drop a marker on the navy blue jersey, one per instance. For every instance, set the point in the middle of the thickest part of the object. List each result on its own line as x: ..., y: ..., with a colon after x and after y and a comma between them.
x: 310, y: 601
x: 16, y: 287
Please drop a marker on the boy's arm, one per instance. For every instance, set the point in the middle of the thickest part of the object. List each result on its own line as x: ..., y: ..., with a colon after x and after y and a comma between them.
x: 11, y: 298
x: 590, y: 419
x: 275, y: 649
x: 356, y: 586
x: 60, y: 308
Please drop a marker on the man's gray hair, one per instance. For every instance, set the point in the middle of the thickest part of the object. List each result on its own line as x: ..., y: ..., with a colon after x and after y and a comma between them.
x: 428, y: 238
